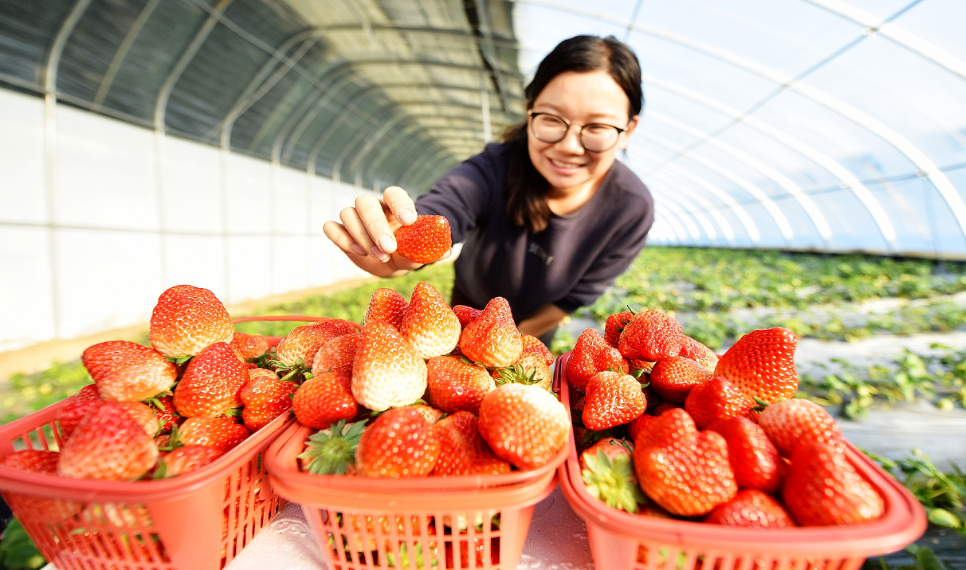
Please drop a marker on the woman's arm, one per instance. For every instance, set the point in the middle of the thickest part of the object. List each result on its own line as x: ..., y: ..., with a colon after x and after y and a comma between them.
x: 542, y: 321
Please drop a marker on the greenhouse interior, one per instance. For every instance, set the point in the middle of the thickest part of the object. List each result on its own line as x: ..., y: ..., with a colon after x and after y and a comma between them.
x: 796, y: 167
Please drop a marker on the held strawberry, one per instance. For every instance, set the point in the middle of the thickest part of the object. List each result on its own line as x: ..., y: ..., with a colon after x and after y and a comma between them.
x: 128, y: 372
x: 107, y: 444
x: 612, y: 399
x: 761, y: 365
x: 492, y: 339
x: 187, y: 320
x: 462, y: 450
x: 454, y: 384
x: 398, y: 443
x: 426, y: 240
x: 430, y: 326
x: 386, y: 371
x: 211, y: 382
x: 524, y: 425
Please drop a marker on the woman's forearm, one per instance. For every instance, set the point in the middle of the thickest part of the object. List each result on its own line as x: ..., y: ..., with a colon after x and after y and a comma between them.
x: 542, y: 321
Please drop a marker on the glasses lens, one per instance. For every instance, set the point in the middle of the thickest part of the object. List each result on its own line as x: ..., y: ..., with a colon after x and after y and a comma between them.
x: 548, y: 128
x: 598, y: 138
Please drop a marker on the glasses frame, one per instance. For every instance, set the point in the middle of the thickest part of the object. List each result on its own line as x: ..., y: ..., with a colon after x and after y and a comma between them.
x: 580, y: 135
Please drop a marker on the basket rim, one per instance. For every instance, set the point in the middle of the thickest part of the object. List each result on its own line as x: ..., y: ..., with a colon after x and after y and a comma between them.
x: 903, y: 522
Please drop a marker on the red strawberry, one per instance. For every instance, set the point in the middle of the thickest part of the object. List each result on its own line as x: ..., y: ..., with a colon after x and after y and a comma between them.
x: 751, y: 508
x: 128, y: 372
x: 72, y: 413
x: 688, y: 472
x: 637, y: 364
x: 699, y: 353
x: 430, y: 326
x: 107, y: 444
x: 299, y: 347
x: 454, y: 384
x: 753, y: 457
x: 144, y: 416
x: 337, y: 355
x: 265, y: 398
x: 249, y: 346
x: 613, y: 399
x: 492, y: 339
x: 324, y: 400
x: 431, y: 414
x: 663, y: 407
x: 386, y: 305
x: 462, y: 450
x: 534, y: 345
x: 398, y: 443
x: 762, y: 364
x: 524, y: 425
x: 466, y: 315
x: 717, y: 399
x: 387, y: 371
x: 343, y: 326
x: 483, y: 557
x: 641, y: 423
x: 791, y: 423
x: 615, y: 326
x: 823, y: 488
x: 651, y: 335
x: 591, y: 355
x: 186, y: 459
x: 210, y: 384
x: 426, y: 240
x: 88, y: 392
x: 32, y: 507
x: 674, y: 377
x: 187, y: 320
x: 35, y: 460
x: 168, y: 417
x: 222, y: 433
x: 608, y: 472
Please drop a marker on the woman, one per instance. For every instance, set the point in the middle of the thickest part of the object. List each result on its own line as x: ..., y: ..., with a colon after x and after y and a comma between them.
x: 548, y: 217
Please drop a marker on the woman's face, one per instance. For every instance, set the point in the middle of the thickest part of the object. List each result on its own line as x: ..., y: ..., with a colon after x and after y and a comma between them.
x: 581, y: 98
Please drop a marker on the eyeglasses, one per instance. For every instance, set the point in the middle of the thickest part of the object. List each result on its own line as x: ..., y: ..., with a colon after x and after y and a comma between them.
x: 595, y: 137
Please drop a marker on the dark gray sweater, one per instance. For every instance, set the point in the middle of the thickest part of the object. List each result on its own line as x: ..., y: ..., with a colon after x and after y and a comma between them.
x: 568, y: 264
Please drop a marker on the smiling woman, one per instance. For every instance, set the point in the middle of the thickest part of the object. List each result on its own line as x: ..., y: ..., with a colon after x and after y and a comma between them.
x: 548, y: 218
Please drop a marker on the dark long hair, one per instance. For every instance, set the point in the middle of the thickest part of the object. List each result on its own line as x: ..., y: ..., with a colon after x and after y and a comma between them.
x: 526, y: 189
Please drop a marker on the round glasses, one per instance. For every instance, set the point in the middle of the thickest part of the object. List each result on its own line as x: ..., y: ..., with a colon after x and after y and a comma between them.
x: 595, y: 137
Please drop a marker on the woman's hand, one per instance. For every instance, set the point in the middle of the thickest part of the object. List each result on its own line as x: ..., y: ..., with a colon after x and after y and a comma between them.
x: 366, y: 232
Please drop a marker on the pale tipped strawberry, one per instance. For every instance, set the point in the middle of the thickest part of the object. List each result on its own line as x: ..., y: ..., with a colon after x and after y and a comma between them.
x: 454, y: 384
x: 699, y: 353
x: 534, y: 345
x: 674, y: 377
x: 717, y: 399
x: 70, y: 416
x: 430, y: 326
x: 792, y: 423
x: 466, y: 315
x: 107, y: 444
x: 823, y: 488
x: 295, y: 354
x: 614, y: 326
x: 210, y: 384
x: 128, y: 372
x: 462, y: 450
x: 492, y: 339
x: 387, y: 306
x: 186, y: 459
x: 762, y: 365
x: 524, y: 425
x: 398, y: 443
x: 222, y: 433
x: 607, y: 471
x: 337, y: 355
x: 343, y: 326
x: 332, y: 451
x: 387, y: 372
x: 530, y: 369
x: 751, y: 508
x: 324, y: 400
x: 426, y: 240
x: 144, y: 415
x: 613, y: 399
x: 753, y: 456
x: 265, y: 397
x: 187, y: 320
x: 591, y: 355
x: 651, y: 335
x: 249, y: 346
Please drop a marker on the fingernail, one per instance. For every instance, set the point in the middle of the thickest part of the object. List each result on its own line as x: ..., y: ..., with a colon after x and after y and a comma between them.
x: 407, y: 216
x: 379, y: 254
x: 358, y: 249
x: 387, y: 243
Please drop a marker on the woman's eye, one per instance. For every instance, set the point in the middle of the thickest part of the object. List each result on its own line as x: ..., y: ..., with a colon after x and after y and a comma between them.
x: 597, y: 129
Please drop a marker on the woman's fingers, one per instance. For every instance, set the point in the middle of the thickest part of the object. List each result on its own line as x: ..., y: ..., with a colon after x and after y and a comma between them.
x: 400, y: 204
x: 374, y: 223
x: 357, y: 229
x: 338, y: 235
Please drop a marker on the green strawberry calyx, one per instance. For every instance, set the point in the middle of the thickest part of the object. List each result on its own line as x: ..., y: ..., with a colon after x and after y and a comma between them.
x: 609, y: 480
x: 331, y: 451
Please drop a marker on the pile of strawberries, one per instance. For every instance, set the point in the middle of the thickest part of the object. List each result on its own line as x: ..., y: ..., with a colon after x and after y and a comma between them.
x: 679, y: 433
x: 424, y: 389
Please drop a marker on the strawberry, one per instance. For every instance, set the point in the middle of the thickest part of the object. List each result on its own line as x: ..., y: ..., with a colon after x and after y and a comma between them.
x: 168, y: 417
x: 187, y: 320
x: 333, y: 450
x: 265, y: 397
x: 386, y: 305
x: 753, y: 457
x: 33, y: 507
x: 674, y: 377
x: 761, y: 365
x: 295, y: 353
x: 324, y: 400
x: 791, y: 423
x: 466, y: 315
x: 387, y: 371
x: 663, y: 407
x: 398, y: 443
x: 88, y: 392
x: 608, y: 473
x: 222, y: 433
x: 424, y: 241
x: 428, y: 324
x: 591, y: 355
x: 534, y: 345
x: 699, y: 353
x: 128, y: 372
x: 492, y: 339
x: 107, y: 444
x: 343, y: 326
x: 524, y: 425
x: 683, y: 470
x: 824, y: 488
x: 144, y: 415
x: 717, y: 399
x: 453, y: 384
x: 483, y: 557
x: 614, y: 326
x: 210, y: 384
x: 530, y: 369
x: 337, y: 355
x: 249, y: 346
x: 641, y: 423
x: 34, y: 460
x: 651, y: 335
x: 431, y: 414
x: 638, y: 364
x: 185, y: 460
x: 751, y: 508
x: 462, y: 450
x: 69, y: 416
x: 613, y: 399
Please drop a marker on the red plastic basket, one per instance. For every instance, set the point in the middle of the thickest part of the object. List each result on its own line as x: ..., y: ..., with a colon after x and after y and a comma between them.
x: 362, y: 523
x: 620, y: 541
